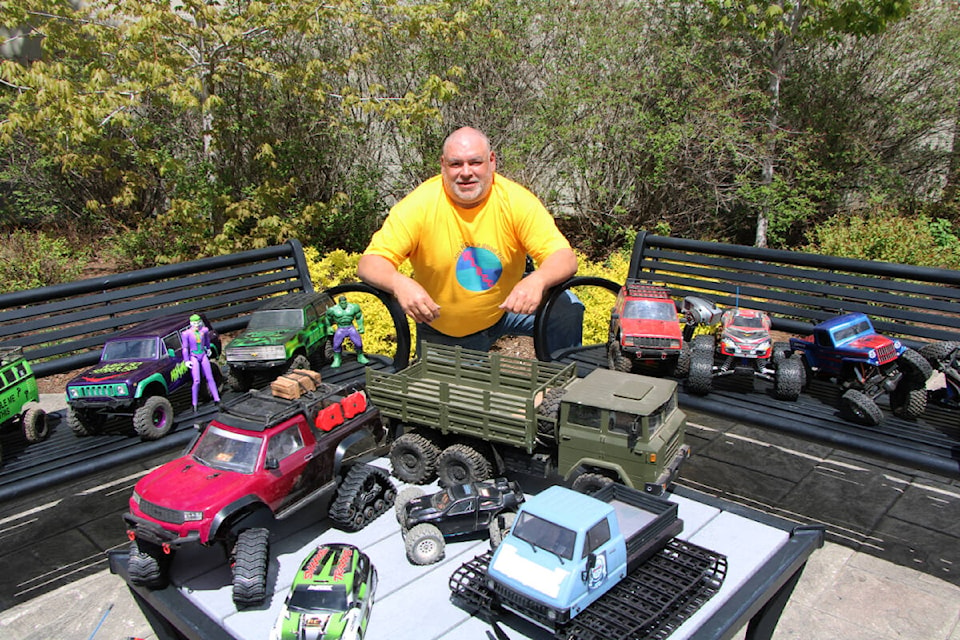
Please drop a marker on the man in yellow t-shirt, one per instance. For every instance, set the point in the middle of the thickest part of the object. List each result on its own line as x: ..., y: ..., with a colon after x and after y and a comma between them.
x: 467, y: 233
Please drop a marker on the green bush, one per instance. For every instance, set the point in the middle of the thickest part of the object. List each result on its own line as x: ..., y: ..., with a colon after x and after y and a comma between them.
x: 33, y: 259
x: 889, y: 237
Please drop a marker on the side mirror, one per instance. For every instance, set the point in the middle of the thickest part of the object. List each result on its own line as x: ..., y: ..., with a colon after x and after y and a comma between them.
x: 171, y: 353
x: 271, y: 463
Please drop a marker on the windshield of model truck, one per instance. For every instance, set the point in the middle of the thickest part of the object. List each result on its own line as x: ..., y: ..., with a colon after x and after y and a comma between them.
x: 135, y: 349
x: 546, y: 535
x: 227, y: 451
x: 651, y: 310
x: 851, y: 331
x: 276, y: 319
x: 324, y: 597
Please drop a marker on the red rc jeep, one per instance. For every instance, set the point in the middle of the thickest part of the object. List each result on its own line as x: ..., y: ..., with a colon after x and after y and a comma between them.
x: 645, y: 326
x: 260, y: 459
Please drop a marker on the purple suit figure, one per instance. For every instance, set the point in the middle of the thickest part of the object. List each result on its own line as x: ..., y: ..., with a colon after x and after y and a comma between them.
x: 196, y: 349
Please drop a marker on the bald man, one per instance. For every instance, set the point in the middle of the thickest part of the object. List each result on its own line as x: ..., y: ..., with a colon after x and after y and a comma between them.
x: 467, y: 232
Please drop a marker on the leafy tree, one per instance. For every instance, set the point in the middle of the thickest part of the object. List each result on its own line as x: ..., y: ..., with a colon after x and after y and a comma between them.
x: 771, y: 31
x: 210, y: 117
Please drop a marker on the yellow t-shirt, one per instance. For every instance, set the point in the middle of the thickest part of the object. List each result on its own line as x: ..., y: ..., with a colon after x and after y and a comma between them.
x: 468, y: 260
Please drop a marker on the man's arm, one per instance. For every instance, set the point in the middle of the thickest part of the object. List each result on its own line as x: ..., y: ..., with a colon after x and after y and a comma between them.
x: 379, y: 272
x: 528, y: 294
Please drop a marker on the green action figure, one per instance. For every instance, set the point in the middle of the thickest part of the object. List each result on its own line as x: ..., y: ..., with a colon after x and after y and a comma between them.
x: 343, y: 315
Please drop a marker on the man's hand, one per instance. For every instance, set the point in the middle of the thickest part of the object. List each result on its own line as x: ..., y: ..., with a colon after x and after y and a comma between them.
x: 414, y: 299
x: 525, y: 297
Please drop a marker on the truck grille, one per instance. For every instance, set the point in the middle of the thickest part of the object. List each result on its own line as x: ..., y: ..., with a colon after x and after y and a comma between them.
x: 652, y: 343
x: 243, y: 353
x: 520, y: 602
x: 672, y: 448
x: 96, y: 391
x: 886, y: 353
x: 163, y: 514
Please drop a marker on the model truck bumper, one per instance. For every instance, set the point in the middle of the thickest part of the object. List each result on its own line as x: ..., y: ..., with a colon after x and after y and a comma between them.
x: 143, y: 529
x: 669, y: 474
x: 530, y: 609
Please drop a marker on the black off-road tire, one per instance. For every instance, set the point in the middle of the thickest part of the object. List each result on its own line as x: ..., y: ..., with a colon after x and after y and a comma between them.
x: 549, y: 408
x: 859, y: 407
x: 413, y: 458
x: 936, y: 353
x: 914, y: 367
x: 365, y: 493
x: 34, y: 423
x: 780, y: 352
x: 617, y: 360
x: 590, y: 483
x: 700, y: 378
x: 908, y: 401
x: 147, y: 569
x: 788, y: 379
x: 424, y: 544
x: 500, y: 526
x: 461, y: 464
x: 154, y: 419
x: 250, y: 565
x: 405, y: 496
x: 299, y: 361
x: 238, y: 380
x: 704, y: 342
x: 84, y: 422
x: 681, y: 368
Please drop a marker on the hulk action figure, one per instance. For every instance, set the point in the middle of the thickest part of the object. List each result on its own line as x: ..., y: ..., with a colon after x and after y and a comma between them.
x: 343, y: 315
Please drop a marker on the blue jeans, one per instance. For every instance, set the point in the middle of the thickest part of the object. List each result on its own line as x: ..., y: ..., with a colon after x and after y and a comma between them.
x: 565, y: 329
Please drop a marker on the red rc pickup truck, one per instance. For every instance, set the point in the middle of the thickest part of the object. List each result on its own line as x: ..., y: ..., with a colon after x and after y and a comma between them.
x: 260, y: 459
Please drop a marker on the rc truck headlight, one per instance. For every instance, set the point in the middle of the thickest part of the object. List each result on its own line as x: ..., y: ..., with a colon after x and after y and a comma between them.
x: 73, y: 392
x: 122, y: 390
x: 872, y: 354
x: 136, y: 498
x: 192, y: 516
x: 764, y: 346
x: 674, y: 344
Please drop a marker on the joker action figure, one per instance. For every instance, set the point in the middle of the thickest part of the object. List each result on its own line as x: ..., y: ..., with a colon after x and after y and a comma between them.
x: 196, y: 354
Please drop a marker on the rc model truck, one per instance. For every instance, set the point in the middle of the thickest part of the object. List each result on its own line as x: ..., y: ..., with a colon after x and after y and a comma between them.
x: 261, y: 459
x: 19, y: 397
x: 744, y: 347
x: 286, y: 333
x: 468, y: 416
x: 140, y: 370
x: 847, y: 350
x: 331, y: 596
x: 572, y: 564
x: 945, y: 358
x: 645, y: 327
x: 458, y: 510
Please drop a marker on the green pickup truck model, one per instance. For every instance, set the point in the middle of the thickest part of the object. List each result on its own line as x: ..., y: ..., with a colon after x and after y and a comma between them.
x: 288, y: 332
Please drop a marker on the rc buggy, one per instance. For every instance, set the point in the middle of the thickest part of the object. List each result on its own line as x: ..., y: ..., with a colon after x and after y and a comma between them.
x: 458, y: 510
x: 945, y: 358
x: 847, y: 350
x: 744, y: 347
x: 331, y: 596
x: 262, y: 458
x: 140, y: 370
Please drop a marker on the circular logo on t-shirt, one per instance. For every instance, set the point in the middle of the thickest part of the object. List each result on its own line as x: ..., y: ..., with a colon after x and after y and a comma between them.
x: 478, y: 269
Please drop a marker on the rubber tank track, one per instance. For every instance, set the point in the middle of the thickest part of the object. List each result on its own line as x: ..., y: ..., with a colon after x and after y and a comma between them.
x: 651, y: 602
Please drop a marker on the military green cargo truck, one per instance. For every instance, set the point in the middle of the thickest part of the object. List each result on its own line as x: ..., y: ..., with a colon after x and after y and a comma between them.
x: 468, y: 416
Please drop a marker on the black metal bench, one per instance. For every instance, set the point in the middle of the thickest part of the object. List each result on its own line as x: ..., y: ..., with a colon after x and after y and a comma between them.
x: 63, y: 327
x: 915, y: 304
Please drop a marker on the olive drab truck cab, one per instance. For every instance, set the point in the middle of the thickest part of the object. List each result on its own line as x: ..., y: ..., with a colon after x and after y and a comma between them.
x: 468, y: 416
